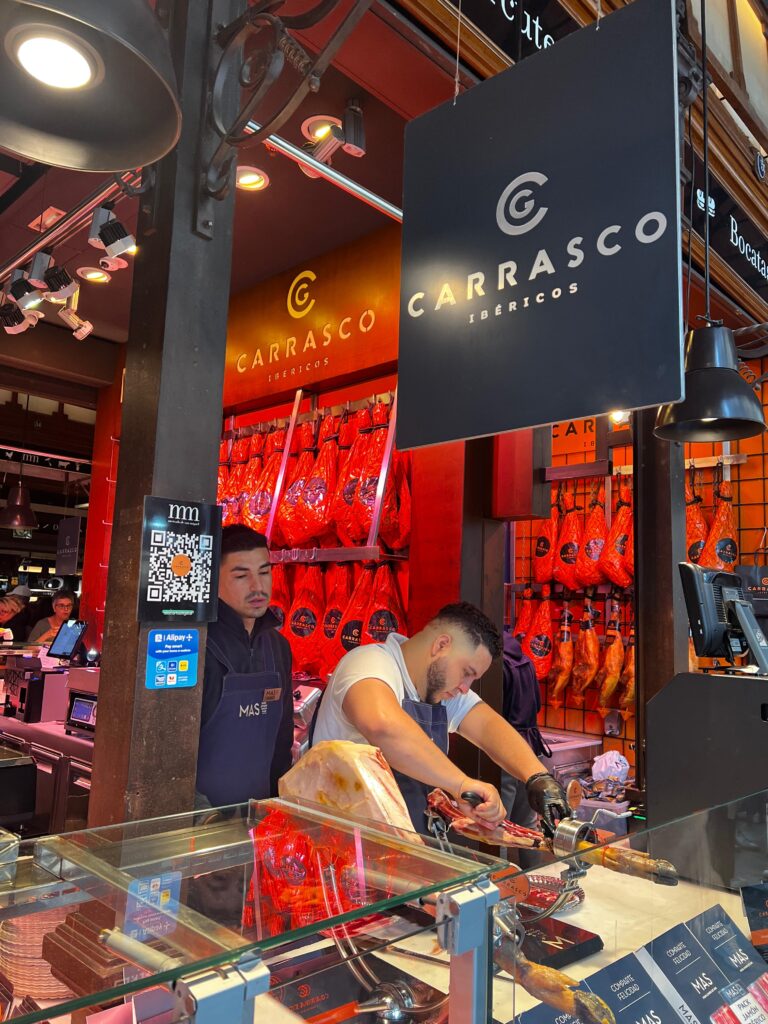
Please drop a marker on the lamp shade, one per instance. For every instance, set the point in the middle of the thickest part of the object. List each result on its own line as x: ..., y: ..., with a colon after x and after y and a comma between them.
x: 86, y: 84
x: 18, y: 514
x: 719, y: 405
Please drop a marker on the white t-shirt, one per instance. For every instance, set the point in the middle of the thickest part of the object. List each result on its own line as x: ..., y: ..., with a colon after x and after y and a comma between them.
x: 376, y: 661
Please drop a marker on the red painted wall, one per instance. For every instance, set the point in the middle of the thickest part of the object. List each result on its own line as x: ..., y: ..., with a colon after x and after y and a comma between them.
x: 98, y: 534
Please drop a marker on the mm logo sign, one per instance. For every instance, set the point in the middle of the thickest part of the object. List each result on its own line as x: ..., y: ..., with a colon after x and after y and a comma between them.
x: 183, y: 513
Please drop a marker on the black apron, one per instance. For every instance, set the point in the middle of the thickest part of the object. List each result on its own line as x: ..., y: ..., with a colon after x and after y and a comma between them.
x: 237, y: 743
x: 433, y: 719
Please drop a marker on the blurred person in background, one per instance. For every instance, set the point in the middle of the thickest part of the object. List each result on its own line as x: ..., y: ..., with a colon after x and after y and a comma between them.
x: 9, y: 609
x: 44, y: 631
x: 20, y: 623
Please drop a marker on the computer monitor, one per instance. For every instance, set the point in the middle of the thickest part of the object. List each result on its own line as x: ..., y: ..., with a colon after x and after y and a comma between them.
x: 723, y: 623
x: 66, y: 640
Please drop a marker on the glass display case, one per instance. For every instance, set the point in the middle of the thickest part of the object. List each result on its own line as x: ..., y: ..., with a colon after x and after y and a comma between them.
x: 274, y: 909
x: 195, y: 916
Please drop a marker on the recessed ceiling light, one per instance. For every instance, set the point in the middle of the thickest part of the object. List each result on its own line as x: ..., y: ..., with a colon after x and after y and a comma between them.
x: 251, y: 179
x: 94, y: 274
x: 54, y: 60
x: 318, y: 127
x: 46, y: 219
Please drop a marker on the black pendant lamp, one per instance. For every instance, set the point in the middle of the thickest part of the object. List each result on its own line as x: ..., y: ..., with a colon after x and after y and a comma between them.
x: 719, y: 405
x: 18, y: 513
x: 86, y: 84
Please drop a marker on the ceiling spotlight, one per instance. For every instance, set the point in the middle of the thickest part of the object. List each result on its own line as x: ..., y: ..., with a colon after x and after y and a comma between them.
x: 619, y: 416
x: 94, y: 274
x: 15, y: 320
x: 318, y: 127
x: 116, y: 240
x: 101, y: 216
x: 41, y: 261
x: 354, y: 129
x: 323, y: 150
x: 80, y: 328
x: 251, y: 179
x: 24, y: 294
x: 112, y: 263
x: 87, y: 85
x: 60, y: 283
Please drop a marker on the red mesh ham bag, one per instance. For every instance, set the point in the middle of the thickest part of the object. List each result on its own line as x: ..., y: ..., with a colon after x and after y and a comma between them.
x: 339, y: 589
x: 384, y: 614
x: 612, y: 560
x: 721, y: 549
x: 524, y: 614
x: 312, y: 511
x: 223, y: 470
x: 365, y: 495
x: 350, y: 632
x: 695, y: 524
x: 254, y: 468
x: 629, y: 550
x: 568, y: 544
x: 238, y: 462
x: 304, y: 628
x: 588, y: 571
x: 538, y: 641
x: 258, y: 505
x: 281, y: 595
x: 286, y: 514
x: 402, y: 538
x: 546, y: 544
x: 342, y: 509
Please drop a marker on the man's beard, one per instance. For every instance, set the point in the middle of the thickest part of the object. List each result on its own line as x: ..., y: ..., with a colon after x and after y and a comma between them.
x: 436, y: 674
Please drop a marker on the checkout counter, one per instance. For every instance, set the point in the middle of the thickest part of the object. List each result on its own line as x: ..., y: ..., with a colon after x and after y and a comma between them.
x: 49, y: 718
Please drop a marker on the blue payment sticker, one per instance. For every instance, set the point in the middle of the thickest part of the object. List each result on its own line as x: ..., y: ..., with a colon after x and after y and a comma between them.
x: 172, y: 658
x: 152, y: 906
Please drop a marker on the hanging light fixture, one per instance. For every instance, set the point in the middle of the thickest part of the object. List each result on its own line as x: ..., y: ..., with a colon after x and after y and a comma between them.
x: 87, y: 85
x: 719, y: 405
x: 18, y: 513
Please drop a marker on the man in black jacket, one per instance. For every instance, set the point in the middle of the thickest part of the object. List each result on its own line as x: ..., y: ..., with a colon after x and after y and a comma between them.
x: 246, y: 729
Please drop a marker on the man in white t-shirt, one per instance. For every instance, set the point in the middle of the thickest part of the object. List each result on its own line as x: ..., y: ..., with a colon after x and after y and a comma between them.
x: 390, y: 695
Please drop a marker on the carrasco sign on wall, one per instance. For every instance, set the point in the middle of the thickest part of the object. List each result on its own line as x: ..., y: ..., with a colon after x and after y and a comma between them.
x: 541, y: 242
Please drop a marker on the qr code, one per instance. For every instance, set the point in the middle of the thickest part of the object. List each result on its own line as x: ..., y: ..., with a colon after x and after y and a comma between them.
x: 180, y: 567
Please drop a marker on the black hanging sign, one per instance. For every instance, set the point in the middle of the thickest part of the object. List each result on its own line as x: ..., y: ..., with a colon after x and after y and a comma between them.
x: 541, y: 239
x: 519, y: 27
x: 732, y: 234
x: 180, y: 544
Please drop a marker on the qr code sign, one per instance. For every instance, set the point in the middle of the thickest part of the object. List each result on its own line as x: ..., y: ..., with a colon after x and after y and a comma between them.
x: 180, y: 567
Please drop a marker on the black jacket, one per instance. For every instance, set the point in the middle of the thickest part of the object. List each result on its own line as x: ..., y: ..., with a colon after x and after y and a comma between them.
x: 244, y: 654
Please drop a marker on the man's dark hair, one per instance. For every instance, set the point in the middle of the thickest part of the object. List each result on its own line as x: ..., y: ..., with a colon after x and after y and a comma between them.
x: 476, y: 624
x: 241, y: 538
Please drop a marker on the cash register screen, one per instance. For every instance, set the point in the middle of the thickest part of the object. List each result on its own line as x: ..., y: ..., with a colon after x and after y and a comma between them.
x: 67, y: 639
x: 83, y: 711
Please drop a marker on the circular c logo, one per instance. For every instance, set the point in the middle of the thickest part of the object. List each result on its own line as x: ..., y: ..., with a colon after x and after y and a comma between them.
x: 298, y: 302
x: 515, y: 205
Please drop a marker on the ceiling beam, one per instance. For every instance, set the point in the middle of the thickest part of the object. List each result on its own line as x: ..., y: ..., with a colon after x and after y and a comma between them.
x: 40, y: 386
x: 57, y: 353
x: 27, y: 175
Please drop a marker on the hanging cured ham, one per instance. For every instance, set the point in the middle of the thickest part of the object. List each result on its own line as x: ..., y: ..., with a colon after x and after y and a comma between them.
x: 258, y: 505
x: 524, y: 614
x: 562, y: 665
x: 695, y: 524
x: 223, y: 470
x: 233, y: 489
x: 586, y: 658
x: 286, y: 519
x: 253, y: 470
x: 627, y: 680
x: 537, y: 644
x: 280, y: 602
x: 396, y: 530
x: 350, y: 632
x: 384, y: 614
x: 312, y: 511
x: 342, y: 509
x: 568, y: 544
x: 546, y: 544
x: 304, y: 625
x: 612, y: 560
x: 339, y: 594
x: 364, y: 501
x: 588, y: 571
x: 721, y: 549
x: 613, y: 657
